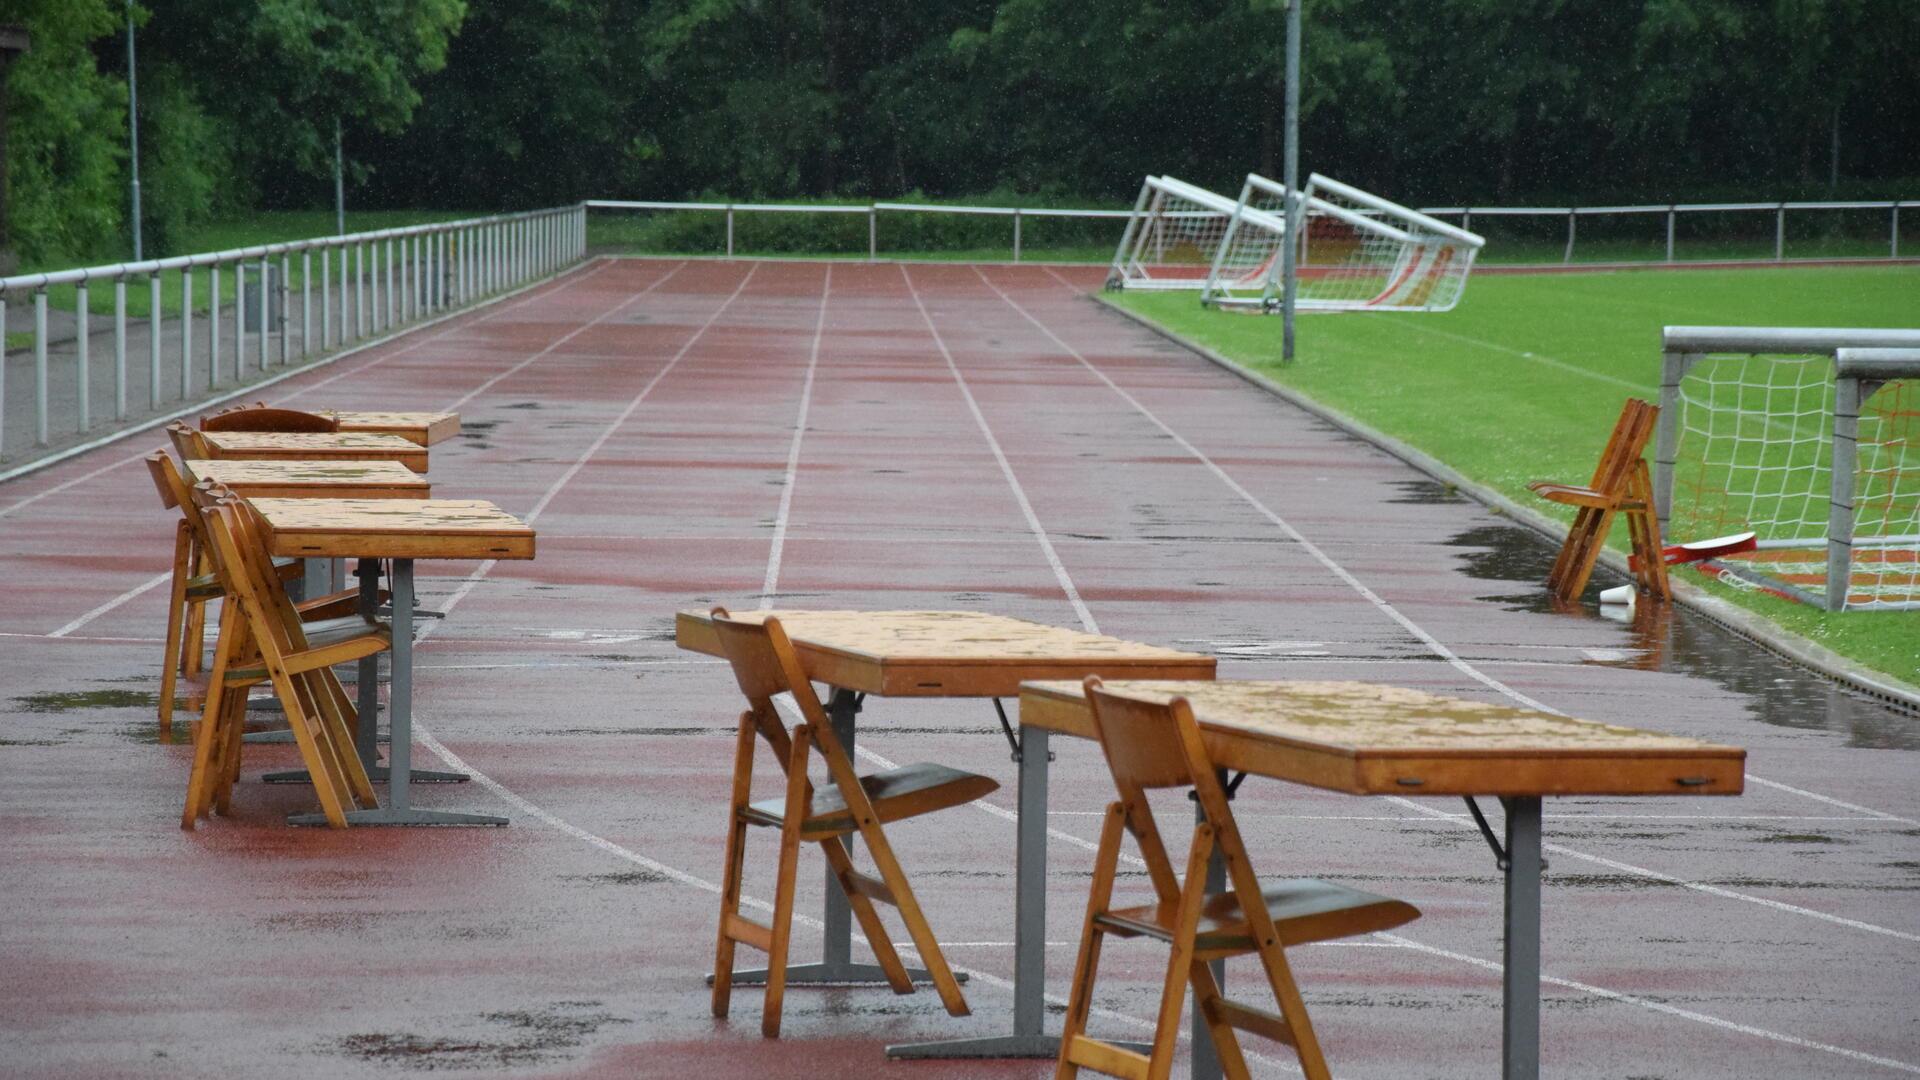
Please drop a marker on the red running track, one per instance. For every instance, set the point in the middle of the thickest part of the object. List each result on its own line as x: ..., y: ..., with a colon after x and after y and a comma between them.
x: 857, y: 435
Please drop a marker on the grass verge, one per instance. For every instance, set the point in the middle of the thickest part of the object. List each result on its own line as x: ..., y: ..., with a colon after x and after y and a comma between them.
x: 1524, y: 380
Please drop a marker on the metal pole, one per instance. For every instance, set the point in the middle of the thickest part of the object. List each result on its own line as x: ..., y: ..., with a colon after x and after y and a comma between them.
x: 306, y: 302
x: 339, y: 183
x: 120, y: 348
x: 729, y: 232
x: 80, y: 364
x: 326, y: 298
x: 1780, y: 233
x: 1895, y: 252
x: 133, y: 133
x: 262, y: 308
x: 1572, y: 216
x: 1016, y: 234
x: 285, y: 326
x: 239, y: 321
x: 1296, y: 210
x: 213, y: 325
x: 1520, y: 988
x: 186, y: 333
x: 40, y: 367
x: 1670, y: 217
x: 1849, y: 394
x: 153, y: 339
x: 3, y: 374
x: 873, y: 233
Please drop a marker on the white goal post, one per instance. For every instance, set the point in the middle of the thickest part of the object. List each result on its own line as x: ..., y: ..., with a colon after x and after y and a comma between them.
x: 1174, y: 235
x: 1356, y: 252
x: 1808, y: 438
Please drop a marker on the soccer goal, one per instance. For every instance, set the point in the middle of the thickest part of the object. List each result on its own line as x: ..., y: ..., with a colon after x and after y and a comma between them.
x: 1174, y: 234
x: 1357, y: 252
x: 1808, y: 438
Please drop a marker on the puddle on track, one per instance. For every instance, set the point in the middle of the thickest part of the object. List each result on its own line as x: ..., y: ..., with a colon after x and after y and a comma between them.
x: 1672, y: 639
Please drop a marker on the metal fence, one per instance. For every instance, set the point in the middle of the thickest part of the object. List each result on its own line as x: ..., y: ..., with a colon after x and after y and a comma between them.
x: 319, y: 295
x: 1673, y: 233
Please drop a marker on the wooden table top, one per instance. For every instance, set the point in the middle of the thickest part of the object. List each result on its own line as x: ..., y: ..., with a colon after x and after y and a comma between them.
x: 313, y: 479
x: 394, y: 529
x: 1367, y: 739
x: 948, y: 653
x: 315, y: 446
x: 424, y: 428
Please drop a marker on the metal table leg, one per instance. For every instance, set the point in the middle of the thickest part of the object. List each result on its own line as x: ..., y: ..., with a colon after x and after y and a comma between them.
x: 1520, y: 1034
x: 1205, y: 1058
x: 1029, y: 1038
x: 366, y: 735
x: 398, y: 810
x: 836, y: 964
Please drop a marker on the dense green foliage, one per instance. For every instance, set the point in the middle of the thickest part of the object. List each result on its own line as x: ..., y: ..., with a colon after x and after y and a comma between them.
x: 494, y: 103
x: 1524, y: 380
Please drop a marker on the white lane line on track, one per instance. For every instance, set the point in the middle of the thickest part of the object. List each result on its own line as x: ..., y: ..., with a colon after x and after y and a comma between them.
x: 135, y: 592
x: 774, y: 554
x: 1433, y: 643
x: 1006, y: 468
x: 1662, y: 1007
x: 1438, y: 648
x: 1830, y: 800
x: 454, y: 325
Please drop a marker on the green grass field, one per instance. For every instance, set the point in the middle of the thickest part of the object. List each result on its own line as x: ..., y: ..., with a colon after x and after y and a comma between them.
x: 1525, y: 378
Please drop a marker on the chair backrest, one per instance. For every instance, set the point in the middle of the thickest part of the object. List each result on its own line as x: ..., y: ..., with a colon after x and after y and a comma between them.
x: 246, y: 571
x: 165, y: 478
x: 258, y: 417
x: 1156, y: 745
x: 765, y: 663
x: 187, y: 442
x: 1624, y: 447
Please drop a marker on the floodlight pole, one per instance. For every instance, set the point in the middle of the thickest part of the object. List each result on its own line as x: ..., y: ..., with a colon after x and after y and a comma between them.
x: 133, y: 132
x: 1296, y: 209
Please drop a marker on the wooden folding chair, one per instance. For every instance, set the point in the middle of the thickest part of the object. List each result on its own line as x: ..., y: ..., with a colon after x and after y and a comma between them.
x: 187, y: 442
x: 258, y: 417
x: 1149, y: 745
x: 195, y: 584
x: 1621, y: 485
x: 765, y: 663
x: 264, y: 639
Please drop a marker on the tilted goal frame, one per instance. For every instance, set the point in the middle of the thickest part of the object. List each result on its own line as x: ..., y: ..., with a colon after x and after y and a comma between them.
x: 1862, y: 362
x: 1171, y: 214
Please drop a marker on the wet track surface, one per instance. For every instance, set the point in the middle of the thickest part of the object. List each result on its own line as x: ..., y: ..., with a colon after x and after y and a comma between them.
x: 973, y: 438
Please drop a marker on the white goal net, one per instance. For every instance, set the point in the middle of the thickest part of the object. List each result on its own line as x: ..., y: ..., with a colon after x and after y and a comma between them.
x: 1174, y: 235
x: 1356, y: 252
x: 1817, y: 456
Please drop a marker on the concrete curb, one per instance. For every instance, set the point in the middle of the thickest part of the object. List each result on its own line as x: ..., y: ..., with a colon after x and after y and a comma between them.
x: 249, y: 389
x: 1747, y: 624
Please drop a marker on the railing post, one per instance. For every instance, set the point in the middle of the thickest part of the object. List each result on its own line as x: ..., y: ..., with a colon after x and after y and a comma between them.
x: 239, y: 320
x: 80, y: 364
x: 1016, y: 234
x: 120, y: 348
x: 213, y: 325
x: 3, y: 373
x: 1466, y: 219
x: 186, y: 332
x: 1780, y: 233
x: 1894, y: 247
x: 40, y: 367
x: 261, y: 329
x: 1572, y: 216
x: 1671, y: 213
x: 729, y: 231
x: 326, y: 299
x: 359, y: 291
x: 873, y: 232
x: 153, y: 339
x: 285, y: 326
x: 306, y: 302
x: 389, y: 309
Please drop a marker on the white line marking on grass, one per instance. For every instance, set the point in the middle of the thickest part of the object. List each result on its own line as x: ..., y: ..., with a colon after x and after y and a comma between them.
x: 793, y: 452
x: 1661, y: 1007
x: 1312, y: 549
x: 572, y: 280
x: 1538, y: 358
x: 1006, y: 468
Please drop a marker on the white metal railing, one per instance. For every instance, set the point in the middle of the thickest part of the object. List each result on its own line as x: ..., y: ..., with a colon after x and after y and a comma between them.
x: 1672, y: 213
x: 386, y: 279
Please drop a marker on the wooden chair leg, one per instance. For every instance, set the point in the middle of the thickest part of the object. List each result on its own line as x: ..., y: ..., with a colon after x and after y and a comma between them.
x: 232, y: 737
x: 339, y: 716
x: 798, y: 796
x: 863, y: 911
x: 200, y: 776
x: 176, y: 620
x: 1173, y: 988
x: 736, y: 859
x: 1087, y: 967
x: 1206, y: 1001
x: 328, y: 785
x: 1293, y: 1010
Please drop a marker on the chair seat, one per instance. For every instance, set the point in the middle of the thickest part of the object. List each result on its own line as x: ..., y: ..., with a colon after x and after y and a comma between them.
x: 323, y: 634
x: 899, y: 793
x: 1303, y: 910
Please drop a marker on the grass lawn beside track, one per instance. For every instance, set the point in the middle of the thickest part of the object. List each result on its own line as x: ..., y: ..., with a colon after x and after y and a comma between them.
x: 1524, y: 380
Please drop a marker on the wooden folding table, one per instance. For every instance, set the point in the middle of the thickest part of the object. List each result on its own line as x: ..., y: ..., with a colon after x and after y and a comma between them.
x: 424, y: 428
x: 1366, y: 739
x: 401, y: 530
x: 954, y: 654
x: 315, y: 446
